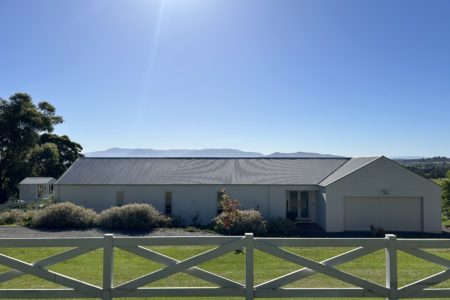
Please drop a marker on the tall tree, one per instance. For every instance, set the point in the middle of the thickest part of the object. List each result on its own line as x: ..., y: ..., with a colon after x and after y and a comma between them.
x: 67, y: 151
x: 27, y: 145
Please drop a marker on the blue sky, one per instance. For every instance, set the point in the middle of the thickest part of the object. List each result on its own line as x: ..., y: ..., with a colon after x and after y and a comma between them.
x: 352, y: 78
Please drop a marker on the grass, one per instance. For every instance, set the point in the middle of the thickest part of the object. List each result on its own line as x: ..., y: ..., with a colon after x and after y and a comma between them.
x: 127, y: 266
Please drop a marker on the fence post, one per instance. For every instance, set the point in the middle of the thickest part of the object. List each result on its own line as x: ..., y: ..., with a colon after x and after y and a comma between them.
x: 249, y: 267
x: 391, y: 266
x: 108, y: 262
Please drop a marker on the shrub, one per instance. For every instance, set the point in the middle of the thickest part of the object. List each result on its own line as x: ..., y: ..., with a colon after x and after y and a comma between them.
x: 178, y: 221
x: 232, y: 220
x: 228, y: 212
x: 132, y: 217
x: 41, y: 203
x: 64, y: 215
x: 446, y: 198
x: 242, y: 221
x: 377, y: 231
x: 15, y: 216
x: 281, y: 227
x: 195, y: 220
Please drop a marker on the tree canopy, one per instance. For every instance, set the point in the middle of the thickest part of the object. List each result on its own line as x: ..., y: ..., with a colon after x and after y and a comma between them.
x: 446, y: 198
x: 27, y: 145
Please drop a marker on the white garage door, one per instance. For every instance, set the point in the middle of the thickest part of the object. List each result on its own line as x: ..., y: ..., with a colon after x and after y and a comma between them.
x: 390, y: 213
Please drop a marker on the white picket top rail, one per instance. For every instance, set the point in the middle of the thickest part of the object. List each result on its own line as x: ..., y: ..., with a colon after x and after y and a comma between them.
x: 226, y: 287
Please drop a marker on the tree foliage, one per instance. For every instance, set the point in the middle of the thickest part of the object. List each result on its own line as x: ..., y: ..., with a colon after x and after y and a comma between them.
x: 434, y: 167
x: 430, y: 170
x: 65, y: 152
x: 446, y: 198
x: 27, y: 145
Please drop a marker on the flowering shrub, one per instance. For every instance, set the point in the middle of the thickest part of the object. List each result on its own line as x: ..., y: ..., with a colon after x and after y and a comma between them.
x: 232, y: 220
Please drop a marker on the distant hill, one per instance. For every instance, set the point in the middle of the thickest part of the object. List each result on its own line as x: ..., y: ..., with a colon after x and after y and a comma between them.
x: 300, y: 154
x: 431, y: 167
x: 435, y: 167
x: 406, y: 157
x: 130, y: 152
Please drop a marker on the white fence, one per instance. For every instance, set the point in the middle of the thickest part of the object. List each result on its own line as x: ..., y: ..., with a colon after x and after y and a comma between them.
x: 226, y: 287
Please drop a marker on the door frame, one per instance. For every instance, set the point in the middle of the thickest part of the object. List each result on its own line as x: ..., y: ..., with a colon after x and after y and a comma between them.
x: 297, y: 209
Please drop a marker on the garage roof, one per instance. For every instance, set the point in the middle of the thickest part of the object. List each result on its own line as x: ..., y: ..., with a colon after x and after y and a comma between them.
x: 349, y: 167
x: 118, y: 171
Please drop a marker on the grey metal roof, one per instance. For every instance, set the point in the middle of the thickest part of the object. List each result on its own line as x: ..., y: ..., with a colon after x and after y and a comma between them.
x: 294, y: 171
x: 38, y: 180
x: 349, y: 167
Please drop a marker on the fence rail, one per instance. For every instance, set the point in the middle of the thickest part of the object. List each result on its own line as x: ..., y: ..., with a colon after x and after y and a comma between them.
x: 74, y: 288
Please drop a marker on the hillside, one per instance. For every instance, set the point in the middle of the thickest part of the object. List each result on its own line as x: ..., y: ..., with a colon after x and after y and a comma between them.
x: 432, y: 168
x: 131, y: 152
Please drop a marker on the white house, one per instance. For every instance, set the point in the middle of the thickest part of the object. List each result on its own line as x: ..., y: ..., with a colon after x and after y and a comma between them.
x: 339, y: 194
x: 34, y: 188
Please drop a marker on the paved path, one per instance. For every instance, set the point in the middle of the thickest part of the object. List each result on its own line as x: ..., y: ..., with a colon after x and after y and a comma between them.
x: 24, y: 232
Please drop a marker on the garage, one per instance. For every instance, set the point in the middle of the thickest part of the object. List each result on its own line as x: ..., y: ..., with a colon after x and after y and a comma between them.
x: 390, y: 213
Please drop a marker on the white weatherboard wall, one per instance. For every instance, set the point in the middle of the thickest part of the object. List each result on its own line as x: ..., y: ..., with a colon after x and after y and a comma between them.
x: 371, y: 180
x: 390, y: 213
x: 28, y: 192
x: 186, y: 199
x: 321, y: 198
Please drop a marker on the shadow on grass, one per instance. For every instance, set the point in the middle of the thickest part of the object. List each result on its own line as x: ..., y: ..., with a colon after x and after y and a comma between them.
x: 313, y: 230
x: 306, y: 230
x: 100, y: 231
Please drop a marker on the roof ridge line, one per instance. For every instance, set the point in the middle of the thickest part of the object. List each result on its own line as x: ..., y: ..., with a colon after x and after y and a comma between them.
x: 362, y: 166
x: 211, y: 157
x: 340, y: 166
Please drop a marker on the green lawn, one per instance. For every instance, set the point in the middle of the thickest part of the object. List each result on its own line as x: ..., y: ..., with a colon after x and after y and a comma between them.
x: 127, y: 266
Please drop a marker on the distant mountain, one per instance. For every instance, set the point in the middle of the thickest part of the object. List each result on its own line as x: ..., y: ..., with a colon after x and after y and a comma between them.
x: 300, y: 154
x: 406, y: 157
x: 127, y: 152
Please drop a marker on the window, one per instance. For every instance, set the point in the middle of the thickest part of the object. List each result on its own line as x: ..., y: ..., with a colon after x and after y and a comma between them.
x: 219, y: 202
x: 304, y: 204
x: 119, y: 198
x: 291, y: 205
x: 297, y: 205
x: 168, y: 203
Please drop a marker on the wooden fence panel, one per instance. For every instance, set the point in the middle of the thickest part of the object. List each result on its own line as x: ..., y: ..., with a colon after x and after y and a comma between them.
x: 225, y: 287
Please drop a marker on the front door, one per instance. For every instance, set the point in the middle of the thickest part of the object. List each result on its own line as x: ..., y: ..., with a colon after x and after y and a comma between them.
x: 297, y: 205
x: 304, y: 205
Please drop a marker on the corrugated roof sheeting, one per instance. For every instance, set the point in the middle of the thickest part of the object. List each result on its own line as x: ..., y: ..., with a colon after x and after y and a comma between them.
x: 285, y: 171
x: 38, y: 180
x: 295, y: 171
x: 349, y: 167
